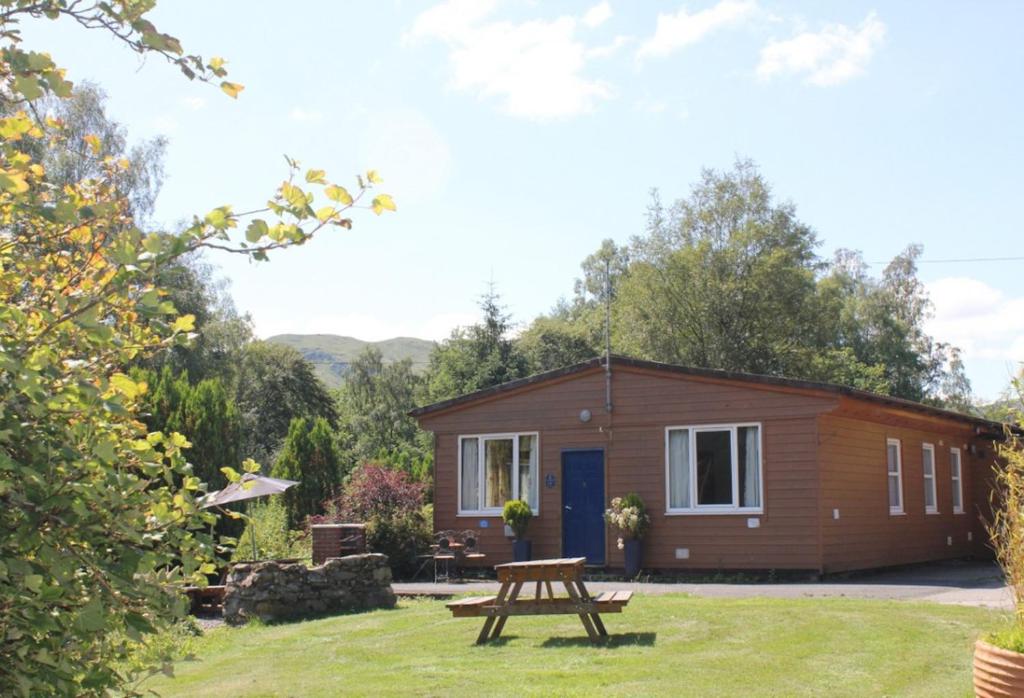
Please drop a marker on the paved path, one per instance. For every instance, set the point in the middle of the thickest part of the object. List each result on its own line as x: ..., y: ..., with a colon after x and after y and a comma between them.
x: 963, y: 583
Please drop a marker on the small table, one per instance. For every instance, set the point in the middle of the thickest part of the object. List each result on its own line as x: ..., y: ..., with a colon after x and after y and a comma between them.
x: 568, y: 571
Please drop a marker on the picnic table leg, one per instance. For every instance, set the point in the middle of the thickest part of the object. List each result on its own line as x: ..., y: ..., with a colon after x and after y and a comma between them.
x: 511, y: 600
x: 584, y: 617
x: 536, y: 597
x: 551, y: 592
x: 596, y: 617
x: 482, y: 637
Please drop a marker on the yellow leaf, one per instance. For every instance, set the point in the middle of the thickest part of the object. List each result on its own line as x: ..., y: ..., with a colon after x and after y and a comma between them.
x: 383, y: 203
x: 184, y: 323
x: 126, y: 386
x: 325, y: 213
x: 216, y: 62
x: 373, y: 177
x: 315, y: 176
x: 93, y: 142
x: 231, y: 89
x: 339, y: 194
x: 12, y: 181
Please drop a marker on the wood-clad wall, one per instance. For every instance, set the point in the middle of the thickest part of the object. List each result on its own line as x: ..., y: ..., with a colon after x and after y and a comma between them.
x: 645, y: 402
x: 822, y: 452
x: 854, y: 480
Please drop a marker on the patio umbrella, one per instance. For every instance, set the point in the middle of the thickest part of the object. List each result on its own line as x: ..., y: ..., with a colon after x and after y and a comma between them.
x: 249, y: 487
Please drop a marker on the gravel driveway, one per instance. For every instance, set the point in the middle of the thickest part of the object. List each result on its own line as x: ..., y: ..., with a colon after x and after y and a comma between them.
x: 952, y: 582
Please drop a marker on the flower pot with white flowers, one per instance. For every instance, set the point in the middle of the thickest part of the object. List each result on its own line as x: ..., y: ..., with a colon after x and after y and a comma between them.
x: 628, y: 515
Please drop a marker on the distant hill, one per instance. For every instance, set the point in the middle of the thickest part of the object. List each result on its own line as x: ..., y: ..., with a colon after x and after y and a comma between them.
x: 331, y: 354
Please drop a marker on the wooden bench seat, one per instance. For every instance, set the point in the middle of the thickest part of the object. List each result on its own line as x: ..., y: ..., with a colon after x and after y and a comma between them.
x: 613, y: 598
x: 471, y: 607
x: 208, y: 598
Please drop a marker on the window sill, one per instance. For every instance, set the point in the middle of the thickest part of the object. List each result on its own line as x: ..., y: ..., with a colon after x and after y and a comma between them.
x: 897, y: 513
x: 959, y: 513
x: 932, y: 513
x: 484, y: 514
x: 716, y: 512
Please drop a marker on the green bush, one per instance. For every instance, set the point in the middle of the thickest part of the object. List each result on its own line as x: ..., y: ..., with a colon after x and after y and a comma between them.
x: 517, y: 515
x: 401, y: 536
x: 274, y: 540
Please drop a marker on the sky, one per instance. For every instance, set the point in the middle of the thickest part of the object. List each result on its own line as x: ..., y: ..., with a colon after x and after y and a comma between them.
x: 516, y: 135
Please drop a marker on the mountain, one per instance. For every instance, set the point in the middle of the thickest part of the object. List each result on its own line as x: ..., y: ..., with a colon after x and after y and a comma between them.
x: 331, y: 354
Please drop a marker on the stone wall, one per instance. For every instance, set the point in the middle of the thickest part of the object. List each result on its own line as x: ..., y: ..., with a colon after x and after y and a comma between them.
x: 275, y: 591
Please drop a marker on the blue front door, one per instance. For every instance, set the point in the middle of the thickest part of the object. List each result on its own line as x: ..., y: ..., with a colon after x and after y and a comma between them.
x: 583, y: 505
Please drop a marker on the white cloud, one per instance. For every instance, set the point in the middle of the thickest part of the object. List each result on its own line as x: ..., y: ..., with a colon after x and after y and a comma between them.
x: 410, y: 153
x: 831, y: 56
x: 534, y: 68
x: 681, y: 29
x: 305, y: 116
x: 608, y: 49
x: 193, y: 103
x: 980, y: 319
x: 598, y: 14
x: 371, y: 328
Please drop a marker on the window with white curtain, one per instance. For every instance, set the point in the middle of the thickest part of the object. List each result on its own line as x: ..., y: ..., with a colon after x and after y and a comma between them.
x: 895, y: 468
x: 713, y: 469
x: 931, y: 498
x: 494, y: 468
x: 957, y: 477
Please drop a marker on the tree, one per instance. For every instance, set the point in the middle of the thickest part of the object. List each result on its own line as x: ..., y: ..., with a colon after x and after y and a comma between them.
x: 221, y: 333
x: 552, y: 342
x: 477, y: 357
x: 728, y: 278
x: 374, y: 403
x: 310, y: 456
x: 83, y: 114
x: 100, y: 519
x: 724, y: 279
x: 210, y: 420
x: 276, y: 385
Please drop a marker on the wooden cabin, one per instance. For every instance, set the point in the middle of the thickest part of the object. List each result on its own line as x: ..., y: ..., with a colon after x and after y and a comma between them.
x: 738, y: 471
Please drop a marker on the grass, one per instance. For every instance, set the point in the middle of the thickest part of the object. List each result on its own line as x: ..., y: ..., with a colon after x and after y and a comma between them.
x: 661, y: 645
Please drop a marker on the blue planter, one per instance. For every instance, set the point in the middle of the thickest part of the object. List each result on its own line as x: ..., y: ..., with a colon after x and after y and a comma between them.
x: 522, y: 551
x: 633, y: 555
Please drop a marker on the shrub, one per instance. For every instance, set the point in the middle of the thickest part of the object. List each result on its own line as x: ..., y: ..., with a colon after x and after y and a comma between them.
x: 517, y: 515
x: 274, y: 540
x: 390, y: 503
x: 1007, y: 527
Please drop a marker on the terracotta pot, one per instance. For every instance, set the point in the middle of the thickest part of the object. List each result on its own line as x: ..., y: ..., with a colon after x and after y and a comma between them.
x: 998, y: 673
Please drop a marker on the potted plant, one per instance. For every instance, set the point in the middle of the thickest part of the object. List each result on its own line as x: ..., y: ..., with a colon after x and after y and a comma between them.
x: 629, y: 515
x: 999, y: 657
x: 517, y: 515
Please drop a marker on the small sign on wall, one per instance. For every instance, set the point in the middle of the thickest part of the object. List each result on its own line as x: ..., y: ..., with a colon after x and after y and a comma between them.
x: 484, y: 523
x: 549, y: 481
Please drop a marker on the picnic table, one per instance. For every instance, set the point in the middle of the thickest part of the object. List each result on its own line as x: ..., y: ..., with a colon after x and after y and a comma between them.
x: 514, y: 575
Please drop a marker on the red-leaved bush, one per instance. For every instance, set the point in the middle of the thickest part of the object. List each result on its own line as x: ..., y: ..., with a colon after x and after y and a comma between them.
x: 391, y: 506
x: 375, y: 490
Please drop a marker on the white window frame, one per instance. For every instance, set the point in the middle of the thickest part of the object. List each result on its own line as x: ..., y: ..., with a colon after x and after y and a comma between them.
x: 703, y: 509
x: 930, y: 480
x: 894, y: 510
x: 481, y: 439
x: 958, y: 479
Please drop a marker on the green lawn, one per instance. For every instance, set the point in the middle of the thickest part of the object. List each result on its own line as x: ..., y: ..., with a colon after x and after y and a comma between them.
x: 668, y: 645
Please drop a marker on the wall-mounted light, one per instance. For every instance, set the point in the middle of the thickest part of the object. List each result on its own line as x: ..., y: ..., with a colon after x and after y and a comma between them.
x: 585, y: 416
